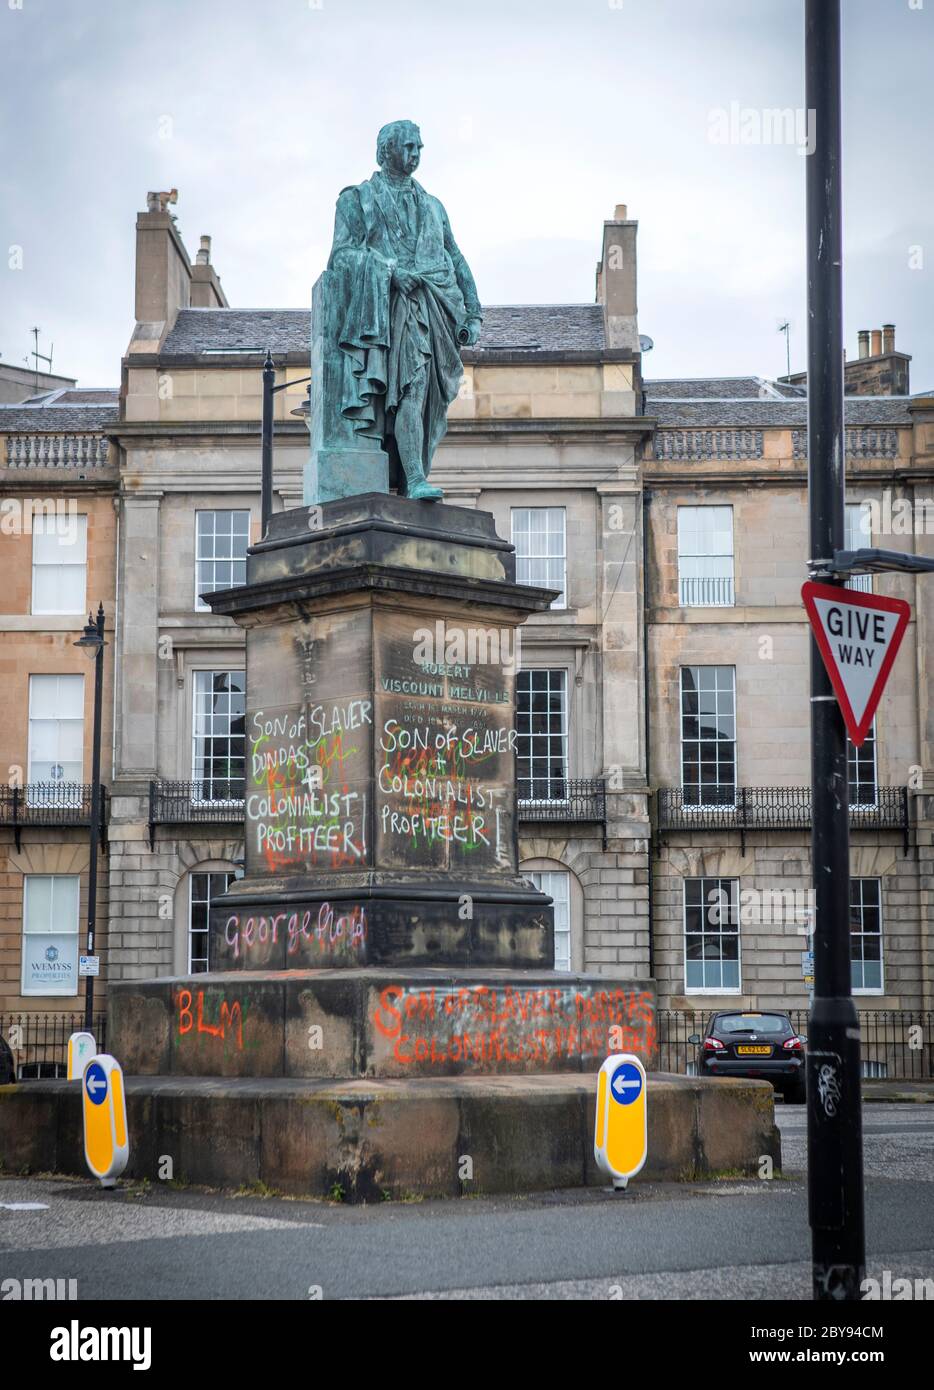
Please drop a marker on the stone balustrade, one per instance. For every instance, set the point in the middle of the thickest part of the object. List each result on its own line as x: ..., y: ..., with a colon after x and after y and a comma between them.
x: 48, y: 450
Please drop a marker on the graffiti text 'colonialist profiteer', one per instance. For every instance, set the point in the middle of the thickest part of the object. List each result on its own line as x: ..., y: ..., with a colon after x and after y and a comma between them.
x: 410, y: 306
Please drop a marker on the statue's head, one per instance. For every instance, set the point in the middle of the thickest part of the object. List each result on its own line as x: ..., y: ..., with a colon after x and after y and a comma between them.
x: 399, y: 147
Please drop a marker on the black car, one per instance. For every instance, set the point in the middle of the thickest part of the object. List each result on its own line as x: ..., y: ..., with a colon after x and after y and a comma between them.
x: 749, y: 1043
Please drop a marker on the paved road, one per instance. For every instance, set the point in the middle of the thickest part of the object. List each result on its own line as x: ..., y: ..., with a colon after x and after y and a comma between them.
x: 729, y: 1239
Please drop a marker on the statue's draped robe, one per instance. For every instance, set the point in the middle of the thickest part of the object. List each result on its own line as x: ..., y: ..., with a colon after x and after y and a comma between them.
x: 388, y: 337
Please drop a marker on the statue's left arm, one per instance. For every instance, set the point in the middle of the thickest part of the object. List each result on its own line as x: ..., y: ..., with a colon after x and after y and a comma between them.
x: 466, y: 285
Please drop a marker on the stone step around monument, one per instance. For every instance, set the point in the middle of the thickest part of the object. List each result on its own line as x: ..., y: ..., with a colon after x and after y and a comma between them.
x: 372, y: 1140
x: 378, y: 1023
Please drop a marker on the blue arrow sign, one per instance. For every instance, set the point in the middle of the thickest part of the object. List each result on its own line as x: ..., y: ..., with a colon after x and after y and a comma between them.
x: 626, y: 1084
x: 95, y: 1083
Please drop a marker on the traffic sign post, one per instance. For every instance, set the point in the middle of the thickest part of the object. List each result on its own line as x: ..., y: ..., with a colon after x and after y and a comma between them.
x: 81, y: 1048
x: 621, y: 1121
x: 858, y: 636
x: 835, y: 1143
x: 106, y: 1145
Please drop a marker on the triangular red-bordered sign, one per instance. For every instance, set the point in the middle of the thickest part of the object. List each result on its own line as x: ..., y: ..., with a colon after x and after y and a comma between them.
x: 858, y: 636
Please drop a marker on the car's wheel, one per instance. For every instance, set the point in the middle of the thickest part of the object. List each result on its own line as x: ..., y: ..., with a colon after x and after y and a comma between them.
x: 795, y: 1095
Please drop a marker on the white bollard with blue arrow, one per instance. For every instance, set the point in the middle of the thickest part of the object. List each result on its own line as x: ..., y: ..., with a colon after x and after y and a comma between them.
x: 621, y: 1128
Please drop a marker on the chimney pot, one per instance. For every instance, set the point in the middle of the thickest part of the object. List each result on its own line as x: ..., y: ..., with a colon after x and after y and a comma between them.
x: 620, y: 215
x: 876, y: 342
x: 204, y: 253
x: 864, y: 342
x: 888, y: 337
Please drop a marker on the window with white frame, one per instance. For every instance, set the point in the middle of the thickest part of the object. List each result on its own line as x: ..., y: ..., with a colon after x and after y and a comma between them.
x: 221, y: 541
x: 866, y: 935
x: 56, y: 739
x: 556, y: 883
x: 50, y: 934
x: 711, y: 935
x: 203, y: 888
x: 861, y: 763
x: 542, y: 743
x: 705, y: 557
x: 708, y: 735
x: 857, y: 535
x: 539, y: 535
x: 219, y: 735
x: 59, y: 564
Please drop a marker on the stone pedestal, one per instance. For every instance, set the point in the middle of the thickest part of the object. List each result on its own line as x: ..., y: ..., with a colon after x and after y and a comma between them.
x: 382, y: 998
x: 379, y: 1023
x: 380, y: 780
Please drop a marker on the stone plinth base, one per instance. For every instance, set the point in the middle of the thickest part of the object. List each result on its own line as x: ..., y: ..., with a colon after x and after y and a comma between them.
x: 370, y: 1139
x: 303, y: 924
x: 378, y: 1023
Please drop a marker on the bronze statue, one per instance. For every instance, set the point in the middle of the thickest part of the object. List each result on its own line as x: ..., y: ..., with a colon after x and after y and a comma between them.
x: 401, y: 302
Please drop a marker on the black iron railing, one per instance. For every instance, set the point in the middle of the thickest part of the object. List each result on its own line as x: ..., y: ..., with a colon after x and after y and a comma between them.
x: 895, y: 1044
x: 195, y: 803
x: 580, y: 798
x: 39, y: 1042
x: 773, y: 808
x: 53, y: 804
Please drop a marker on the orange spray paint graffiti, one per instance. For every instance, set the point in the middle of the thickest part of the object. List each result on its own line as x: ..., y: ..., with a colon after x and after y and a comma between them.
x: 479, y: 1025
x: 190, y: 1013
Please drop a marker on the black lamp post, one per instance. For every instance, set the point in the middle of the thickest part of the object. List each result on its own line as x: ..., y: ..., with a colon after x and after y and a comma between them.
x: 269, y: 390
x: 93, y: 644
x: 835, y: 1150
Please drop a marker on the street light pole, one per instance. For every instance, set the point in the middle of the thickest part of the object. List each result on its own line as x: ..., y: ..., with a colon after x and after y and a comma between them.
x: 93, y: 643
x: 269, y: 379
x: 835, y: 1159
x: 270, y: 389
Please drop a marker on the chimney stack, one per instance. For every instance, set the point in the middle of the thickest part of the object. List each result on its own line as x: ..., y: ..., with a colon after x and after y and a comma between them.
x: 616, y: 281
x: 166, y: 280
x: 881, y: 370
x: 162, y: 269
x: 206, y: 292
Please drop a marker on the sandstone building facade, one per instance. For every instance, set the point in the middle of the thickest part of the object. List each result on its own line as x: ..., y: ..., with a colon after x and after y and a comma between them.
x: 663, y: 725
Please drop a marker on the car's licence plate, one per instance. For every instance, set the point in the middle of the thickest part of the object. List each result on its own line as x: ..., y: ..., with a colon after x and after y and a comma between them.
x: 753, y: 1051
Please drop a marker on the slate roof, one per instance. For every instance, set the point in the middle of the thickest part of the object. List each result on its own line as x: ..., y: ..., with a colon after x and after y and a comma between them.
x: 214, y: 330
x: 61, y: 419
x: 704, y: 388
x: 545, y: 327
x: 747, y: 413
x: 519, y: 327
x: 89, y: 395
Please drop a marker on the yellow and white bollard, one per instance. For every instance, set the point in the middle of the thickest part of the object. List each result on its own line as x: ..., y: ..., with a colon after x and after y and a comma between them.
x: 106, y: 1144
x: 621, y: 1129
x: 81, y: 1048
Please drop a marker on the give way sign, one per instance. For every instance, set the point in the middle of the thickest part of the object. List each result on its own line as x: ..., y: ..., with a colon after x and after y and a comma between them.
x: 858, y: 636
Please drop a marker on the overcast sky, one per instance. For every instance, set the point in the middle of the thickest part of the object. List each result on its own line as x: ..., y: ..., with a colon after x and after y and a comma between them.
x: 538, y: 117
